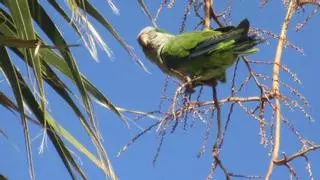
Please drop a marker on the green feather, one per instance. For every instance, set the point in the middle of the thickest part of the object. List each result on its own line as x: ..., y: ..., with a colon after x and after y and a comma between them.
x: 207, y: 54
x: 204, y: 55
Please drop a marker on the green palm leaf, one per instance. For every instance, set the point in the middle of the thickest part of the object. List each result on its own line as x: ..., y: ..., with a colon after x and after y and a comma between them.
x: 18, y: 34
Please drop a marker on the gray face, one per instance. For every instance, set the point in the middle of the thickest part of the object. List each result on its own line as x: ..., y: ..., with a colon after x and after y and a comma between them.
x: 153, y: 38
x: 145, y: 36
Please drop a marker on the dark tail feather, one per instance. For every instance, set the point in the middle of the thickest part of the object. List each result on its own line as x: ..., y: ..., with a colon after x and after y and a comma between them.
x: 244, y: 24
x: 238, y: 33
x: 247, y: 44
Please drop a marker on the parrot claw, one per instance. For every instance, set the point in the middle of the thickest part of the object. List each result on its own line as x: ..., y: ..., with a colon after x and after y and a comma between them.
x: 189, y: 86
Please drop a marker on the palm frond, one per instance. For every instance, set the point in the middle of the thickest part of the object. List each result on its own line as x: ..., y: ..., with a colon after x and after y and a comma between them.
x: 48, y: 61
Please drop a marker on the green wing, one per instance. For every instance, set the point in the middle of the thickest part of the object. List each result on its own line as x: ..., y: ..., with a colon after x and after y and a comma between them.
x: 180, y: 47
x: 207, y: 54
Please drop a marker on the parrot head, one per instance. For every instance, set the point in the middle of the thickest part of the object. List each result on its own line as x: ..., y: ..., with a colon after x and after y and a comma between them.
x: 151, y: 37
x: 145, y: 35
x: 151, y: 40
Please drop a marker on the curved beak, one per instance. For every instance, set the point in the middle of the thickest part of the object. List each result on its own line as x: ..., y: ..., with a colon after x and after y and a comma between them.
x: 143, y: 40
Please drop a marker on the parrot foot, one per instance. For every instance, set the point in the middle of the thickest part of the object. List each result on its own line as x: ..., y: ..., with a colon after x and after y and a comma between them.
x: 193, y: 83
x: 189, y: 86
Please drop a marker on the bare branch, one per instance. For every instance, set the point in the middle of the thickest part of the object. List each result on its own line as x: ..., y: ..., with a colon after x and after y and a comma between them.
x: 305, y: 2
x: 275, y: 83
x: 207, y: 10
x: 301, y: 153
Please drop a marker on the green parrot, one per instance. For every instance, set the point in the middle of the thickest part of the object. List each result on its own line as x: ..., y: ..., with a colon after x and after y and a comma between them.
x: 199, y: 57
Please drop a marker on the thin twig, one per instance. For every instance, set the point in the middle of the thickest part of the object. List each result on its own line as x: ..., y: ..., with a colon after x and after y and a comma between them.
x: 219, y: 119
x: 275, y: 83
x: 301, y: 153
x: 207, y: 12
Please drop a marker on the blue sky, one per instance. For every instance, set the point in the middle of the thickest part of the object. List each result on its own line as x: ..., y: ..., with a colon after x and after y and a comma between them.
x: 130, y: 87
